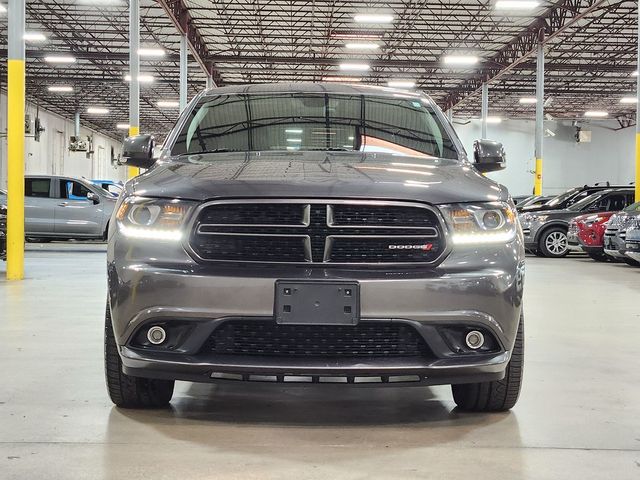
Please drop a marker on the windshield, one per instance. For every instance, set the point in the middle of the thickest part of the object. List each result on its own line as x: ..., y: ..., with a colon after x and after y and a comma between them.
x: 403, y: 124
x: 634, y: 207
x: 579, y: 206
x: 560, y: 199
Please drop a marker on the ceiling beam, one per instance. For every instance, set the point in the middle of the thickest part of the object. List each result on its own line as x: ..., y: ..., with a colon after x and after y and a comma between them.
x: 179, y: 14
x: 555, y: 22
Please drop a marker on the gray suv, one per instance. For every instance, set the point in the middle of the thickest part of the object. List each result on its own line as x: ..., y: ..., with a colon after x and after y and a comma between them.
x: 314, y: 233
x: 61, y: 208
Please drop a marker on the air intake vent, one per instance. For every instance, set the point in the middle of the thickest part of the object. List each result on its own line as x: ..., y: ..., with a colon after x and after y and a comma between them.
x: 266, y: 337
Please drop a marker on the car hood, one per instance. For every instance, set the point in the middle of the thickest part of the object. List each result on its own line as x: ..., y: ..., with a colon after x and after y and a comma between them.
x: 556, y: 214
x: 317, y: 174
x: 584, y: 217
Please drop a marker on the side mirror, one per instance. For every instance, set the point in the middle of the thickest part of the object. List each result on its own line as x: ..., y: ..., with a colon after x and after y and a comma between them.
x: 93, y: 197
x: 488, y: 156
x: 138, y: 151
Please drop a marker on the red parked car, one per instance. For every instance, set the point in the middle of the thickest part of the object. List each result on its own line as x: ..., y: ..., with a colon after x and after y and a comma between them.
x: 586, y: 233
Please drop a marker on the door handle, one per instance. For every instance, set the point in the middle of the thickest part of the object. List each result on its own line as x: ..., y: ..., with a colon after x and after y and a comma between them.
x: 63, y: 204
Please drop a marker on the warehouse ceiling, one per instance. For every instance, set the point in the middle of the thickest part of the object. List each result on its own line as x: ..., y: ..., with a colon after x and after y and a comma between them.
x: 590, y: 52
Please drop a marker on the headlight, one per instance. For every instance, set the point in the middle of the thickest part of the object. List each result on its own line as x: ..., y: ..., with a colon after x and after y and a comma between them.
x: 152, y: 219
x: 493, y: 222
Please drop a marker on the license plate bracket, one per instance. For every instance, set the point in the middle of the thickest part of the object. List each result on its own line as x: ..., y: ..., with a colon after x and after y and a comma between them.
x: 317, y: 302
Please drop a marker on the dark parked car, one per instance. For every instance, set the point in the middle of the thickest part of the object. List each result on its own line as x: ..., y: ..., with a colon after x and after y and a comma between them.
x: 314, y: 233
x: 571, y: 196
x: 616, y: 233
x: 545, y: 232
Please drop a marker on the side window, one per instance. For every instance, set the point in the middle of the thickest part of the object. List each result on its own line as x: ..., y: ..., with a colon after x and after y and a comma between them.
x: 37, y: 187
x: 73, y: 190
x: 616, y: 202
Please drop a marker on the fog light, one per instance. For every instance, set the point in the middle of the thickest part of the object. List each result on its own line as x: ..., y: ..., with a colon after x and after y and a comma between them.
x: 156, y: 335
x: 474, y: 339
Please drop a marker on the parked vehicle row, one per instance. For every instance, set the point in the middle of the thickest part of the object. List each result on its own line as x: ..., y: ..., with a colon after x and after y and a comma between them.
x: 63, y: 208
x: 546, y: 230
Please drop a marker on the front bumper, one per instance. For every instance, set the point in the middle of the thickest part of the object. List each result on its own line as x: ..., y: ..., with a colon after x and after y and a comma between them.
x: 614, y: 244
x: 632, y: 250
x: 472, y: 287
x: 530, y: 230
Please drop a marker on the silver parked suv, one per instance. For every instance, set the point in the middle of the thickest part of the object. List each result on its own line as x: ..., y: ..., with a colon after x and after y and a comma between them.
x: 62, y: 208
x: 314, y: 233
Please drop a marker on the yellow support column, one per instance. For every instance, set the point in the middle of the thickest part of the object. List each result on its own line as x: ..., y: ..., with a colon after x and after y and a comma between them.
x: 15, y: 141
x: 133, y: 171
x: 537, y: 184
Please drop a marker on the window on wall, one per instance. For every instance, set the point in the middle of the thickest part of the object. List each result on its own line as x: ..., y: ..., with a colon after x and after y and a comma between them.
x: 37, y: 187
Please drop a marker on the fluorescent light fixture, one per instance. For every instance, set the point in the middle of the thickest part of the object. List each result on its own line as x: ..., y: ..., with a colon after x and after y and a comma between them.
x: 635, y: 74
x: 341, y: 79
x: 142, y: 78
x: 354, y: 67
x: 151, y: 52
x: 460, y: 60
x: 629, y: 100
x: 528, y: 100
x: 596, y: 114
x: 373, y: 18
x: 356, y: 36
x: 168, y: 104
x: 97, y: 110
x: 362, y: 46
x: 59, y: 59
x: 294, y: 140
x: 34, y: 37
x: 516, y: 4
x: 494, y: 120
x: 401, y: 83
x: 2, y: 8
x: 123, y: 126
x: 60, y: 88
x: 293, y: 130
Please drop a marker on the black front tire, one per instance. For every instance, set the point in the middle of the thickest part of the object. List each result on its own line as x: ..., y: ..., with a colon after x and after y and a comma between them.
x: 499, y: 395
x: 553, y: 243
x: 126, y: 391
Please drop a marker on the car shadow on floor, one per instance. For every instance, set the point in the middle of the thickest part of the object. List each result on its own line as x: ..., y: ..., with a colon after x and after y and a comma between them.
x: 312, y: 405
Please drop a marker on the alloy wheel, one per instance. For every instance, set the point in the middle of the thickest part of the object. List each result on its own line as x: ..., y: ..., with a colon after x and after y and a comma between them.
x: 556, y: 243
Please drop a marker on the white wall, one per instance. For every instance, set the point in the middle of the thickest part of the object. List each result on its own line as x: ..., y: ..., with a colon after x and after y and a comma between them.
x: 51, y: 154
x: 609, y: 157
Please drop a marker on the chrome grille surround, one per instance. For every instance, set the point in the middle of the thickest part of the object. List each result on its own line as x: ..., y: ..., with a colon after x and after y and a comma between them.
x: 438, y: 233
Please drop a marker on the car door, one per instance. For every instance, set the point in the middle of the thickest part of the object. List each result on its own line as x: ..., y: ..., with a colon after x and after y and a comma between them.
x: 39, y: 204
x: 75, y: 214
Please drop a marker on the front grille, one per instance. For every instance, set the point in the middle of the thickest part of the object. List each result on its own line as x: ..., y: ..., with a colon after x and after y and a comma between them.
x: 265, y: 337
x: 298, y: 231
x: 573, y: 227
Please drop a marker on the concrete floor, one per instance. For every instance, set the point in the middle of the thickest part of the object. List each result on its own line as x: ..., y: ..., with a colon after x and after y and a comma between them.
x: 578, y: 417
